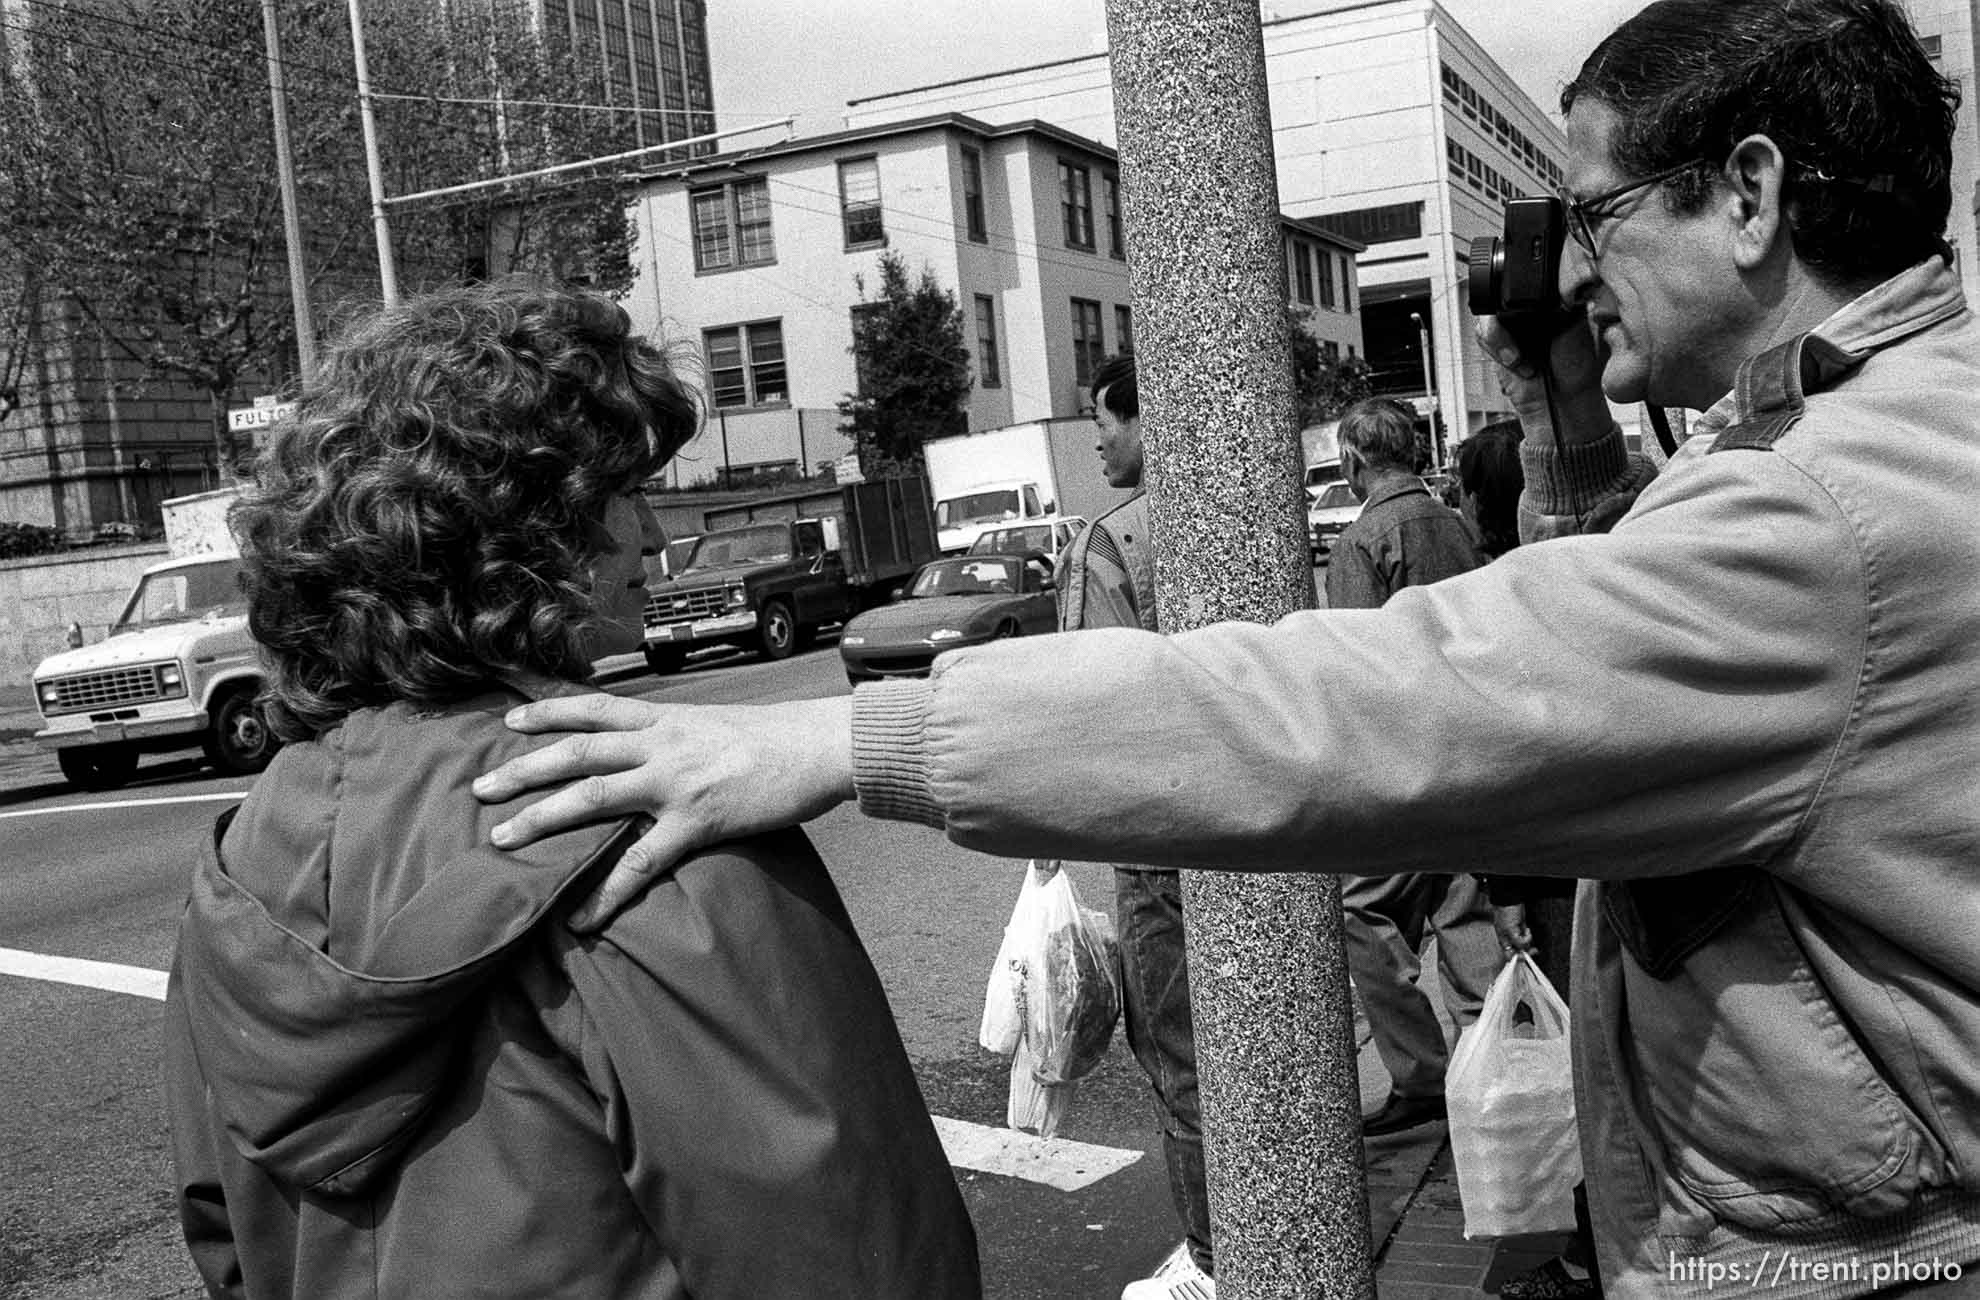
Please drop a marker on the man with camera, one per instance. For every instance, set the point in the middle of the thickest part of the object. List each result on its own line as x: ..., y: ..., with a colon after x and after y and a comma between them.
x: 1749, y: 712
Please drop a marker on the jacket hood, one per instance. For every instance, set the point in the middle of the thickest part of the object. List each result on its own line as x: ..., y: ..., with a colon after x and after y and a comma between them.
x: 341, y: 919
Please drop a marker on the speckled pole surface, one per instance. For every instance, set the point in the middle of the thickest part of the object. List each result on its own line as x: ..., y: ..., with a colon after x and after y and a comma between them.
x: 1207, y: 274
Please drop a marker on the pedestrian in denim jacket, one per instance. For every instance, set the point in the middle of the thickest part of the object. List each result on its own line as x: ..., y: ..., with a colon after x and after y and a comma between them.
x: 1748, y: 712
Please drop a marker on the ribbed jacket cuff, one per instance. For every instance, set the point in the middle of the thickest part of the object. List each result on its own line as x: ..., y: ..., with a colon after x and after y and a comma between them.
x: 890, y: 752
x: 1567, y: 480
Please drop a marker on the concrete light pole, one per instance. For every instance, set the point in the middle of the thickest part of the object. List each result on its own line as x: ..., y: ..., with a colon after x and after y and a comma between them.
x: 388, y: 273
x: 1207, y: 278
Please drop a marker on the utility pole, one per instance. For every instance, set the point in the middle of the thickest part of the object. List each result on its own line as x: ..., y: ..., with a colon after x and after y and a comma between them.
x: 1268, y: 981
x: 388, y: 275
x: 285, y: 169
x: 1429, y: 389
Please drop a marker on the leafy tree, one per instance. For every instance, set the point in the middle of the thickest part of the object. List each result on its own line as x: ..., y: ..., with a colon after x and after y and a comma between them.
x: 912, y: 365
x: 139, y: 203
x: 1323, y: 388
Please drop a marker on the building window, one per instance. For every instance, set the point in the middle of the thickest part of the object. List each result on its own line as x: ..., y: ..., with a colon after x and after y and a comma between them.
x: 1302, y: 271
x: 1347, y: 282
x: 972, y: 175
x: 746, y: 364
x: 1089, y: 344
x: 1076, y: 202
x: 1326, y: 261
x: 732, y: 225
x: 1932, y: 44
x: 1110, y: 198
x: 989, y: 370
x: 1332, y: 351
x: 1124, y: 329
x: 859, y: 202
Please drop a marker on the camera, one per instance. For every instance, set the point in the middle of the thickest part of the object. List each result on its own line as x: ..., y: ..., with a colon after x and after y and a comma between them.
x: 1518, y: 277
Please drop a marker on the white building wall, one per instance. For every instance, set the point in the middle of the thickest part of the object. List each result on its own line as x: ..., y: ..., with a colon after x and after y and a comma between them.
x: 1359, y: 121
x: 1952, y: 22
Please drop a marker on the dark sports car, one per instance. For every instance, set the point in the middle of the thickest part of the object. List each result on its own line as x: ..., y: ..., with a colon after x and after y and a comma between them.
x: 965, y: 600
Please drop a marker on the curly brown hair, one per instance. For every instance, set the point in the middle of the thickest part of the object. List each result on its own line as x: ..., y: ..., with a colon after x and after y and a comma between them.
x: 424, y: 522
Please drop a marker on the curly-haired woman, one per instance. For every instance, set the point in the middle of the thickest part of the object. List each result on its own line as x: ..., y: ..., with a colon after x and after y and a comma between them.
x: 393, y: 1070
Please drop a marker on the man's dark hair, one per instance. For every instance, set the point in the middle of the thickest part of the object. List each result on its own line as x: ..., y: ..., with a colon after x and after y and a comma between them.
x: 1113, y: 387
x: 425, y: 522
x: 1381, y: 432
x: 1843, y: 87
x: 1489, y: 472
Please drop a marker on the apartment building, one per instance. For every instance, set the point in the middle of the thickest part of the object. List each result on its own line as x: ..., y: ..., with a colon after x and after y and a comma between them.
x: 758, y: 259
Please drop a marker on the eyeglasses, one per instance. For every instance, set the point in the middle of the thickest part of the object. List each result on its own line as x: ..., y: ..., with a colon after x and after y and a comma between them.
x: 1584, y: 216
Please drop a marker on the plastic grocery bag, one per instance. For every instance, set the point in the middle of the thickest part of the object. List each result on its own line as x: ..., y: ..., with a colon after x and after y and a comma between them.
x: 1510, y: 1092
x: 1053, y: 997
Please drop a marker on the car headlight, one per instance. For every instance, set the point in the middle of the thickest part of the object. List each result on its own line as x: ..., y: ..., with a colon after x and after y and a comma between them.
x: 170, y: 676
x: 49, y: 692
x: 945, y: 634
x: 737, y: 598
x: 852, y: 640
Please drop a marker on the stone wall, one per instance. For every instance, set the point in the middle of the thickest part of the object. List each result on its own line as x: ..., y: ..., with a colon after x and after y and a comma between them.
x: 39, y: 597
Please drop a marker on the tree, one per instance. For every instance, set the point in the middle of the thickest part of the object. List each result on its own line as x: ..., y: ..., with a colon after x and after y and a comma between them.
x: 139, y: 198
x: 1323, y: 386
x: 913, y: 368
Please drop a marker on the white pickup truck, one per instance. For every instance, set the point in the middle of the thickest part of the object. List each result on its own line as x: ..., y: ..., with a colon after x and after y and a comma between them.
x: 178, y: 671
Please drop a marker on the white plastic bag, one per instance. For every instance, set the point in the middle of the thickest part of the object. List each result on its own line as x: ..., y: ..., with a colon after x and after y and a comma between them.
x: 1053, y: 997
x: 1510, y: 1091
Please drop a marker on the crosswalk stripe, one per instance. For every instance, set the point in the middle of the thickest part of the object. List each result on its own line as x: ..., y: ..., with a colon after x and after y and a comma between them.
x: 1055, y: 1162
x: 111, y: 804
x: 135, y: 980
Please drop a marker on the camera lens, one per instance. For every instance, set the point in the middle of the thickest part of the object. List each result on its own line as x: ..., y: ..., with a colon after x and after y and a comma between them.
x: 1488, y: 276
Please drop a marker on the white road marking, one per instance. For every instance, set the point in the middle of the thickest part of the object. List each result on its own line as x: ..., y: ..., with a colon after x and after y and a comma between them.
x: 90, y: 974
x: 1055, y: 1162
x: 124, y: 803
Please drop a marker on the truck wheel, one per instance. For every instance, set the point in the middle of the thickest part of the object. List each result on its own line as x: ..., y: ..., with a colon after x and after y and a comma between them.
x: 665, y: 661
x: 98, y: 767
x: 777, y: 636
x: 239, y: 743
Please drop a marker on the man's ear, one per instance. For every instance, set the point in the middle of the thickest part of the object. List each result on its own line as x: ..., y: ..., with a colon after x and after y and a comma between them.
x: 1756, y: 175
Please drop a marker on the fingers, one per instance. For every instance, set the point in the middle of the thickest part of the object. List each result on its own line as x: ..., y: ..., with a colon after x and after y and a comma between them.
x: 592, y: 799
x: 584, y: 754
x: 596, y: 712
x: 667, y: 842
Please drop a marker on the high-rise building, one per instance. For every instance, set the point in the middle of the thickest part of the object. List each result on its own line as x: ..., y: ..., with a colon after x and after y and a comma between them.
x: 652, y: 57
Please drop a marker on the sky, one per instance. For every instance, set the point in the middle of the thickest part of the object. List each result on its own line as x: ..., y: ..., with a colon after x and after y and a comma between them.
x: 777, y: 57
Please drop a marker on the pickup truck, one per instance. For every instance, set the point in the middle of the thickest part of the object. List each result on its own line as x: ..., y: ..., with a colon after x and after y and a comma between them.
x: 178, y: 671
x: 769, y: 580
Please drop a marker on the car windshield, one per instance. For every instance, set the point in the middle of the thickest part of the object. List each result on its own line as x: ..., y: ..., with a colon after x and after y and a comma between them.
x: 181, y: 595
x: 1013, y: 541
x: 970, y: 576
x: 1334, y: 496
x: 977, y: 508
x: 764, y: 544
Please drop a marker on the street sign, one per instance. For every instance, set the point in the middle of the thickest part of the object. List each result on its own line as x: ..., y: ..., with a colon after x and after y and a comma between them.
x: 264, y: 412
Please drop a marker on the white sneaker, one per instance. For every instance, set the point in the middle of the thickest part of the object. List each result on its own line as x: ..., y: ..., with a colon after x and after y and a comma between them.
x: 1177, y: 1278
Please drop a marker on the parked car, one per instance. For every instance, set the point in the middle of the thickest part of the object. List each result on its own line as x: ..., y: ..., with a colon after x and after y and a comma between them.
x: 1047, y: 537
x: 961, y: 601
x: 1333, y: 509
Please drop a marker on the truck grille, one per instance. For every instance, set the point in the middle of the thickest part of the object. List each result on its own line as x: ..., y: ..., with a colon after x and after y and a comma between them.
x: 101, y: 690
x: 681, y: 606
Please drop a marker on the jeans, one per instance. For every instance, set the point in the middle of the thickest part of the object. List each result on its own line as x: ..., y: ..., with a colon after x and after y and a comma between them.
x: 1155, y: 988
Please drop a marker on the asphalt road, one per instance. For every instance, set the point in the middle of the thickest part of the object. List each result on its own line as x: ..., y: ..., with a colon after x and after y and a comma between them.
x: 85, y: 1204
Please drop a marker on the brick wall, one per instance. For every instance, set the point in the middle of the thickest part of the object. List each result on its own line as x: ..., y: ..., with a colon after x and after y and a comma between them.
x: 40, y: 596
